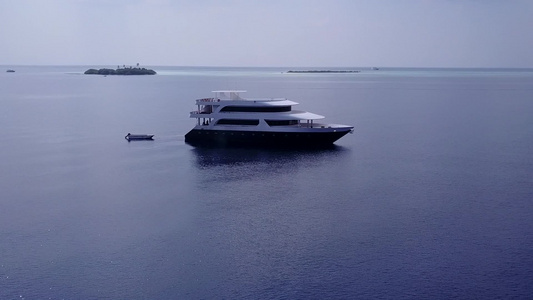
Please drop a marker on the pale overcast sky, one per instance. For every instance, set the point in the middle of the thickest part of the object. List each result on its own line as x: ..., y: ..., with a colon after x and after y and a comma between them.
x: 335, y: 33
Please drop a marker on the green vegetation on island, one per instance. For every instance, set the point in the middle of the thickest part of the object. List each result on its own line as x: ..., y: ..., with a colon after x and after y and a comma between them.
x: 323, y: 71
x: 121, y: 71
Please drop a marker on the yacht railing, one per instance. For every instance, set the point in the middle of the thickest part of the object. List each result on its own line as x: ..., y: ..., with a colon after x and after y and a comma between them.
x: 208, y: 100
x: 199, y: 112
x: 256, y: 100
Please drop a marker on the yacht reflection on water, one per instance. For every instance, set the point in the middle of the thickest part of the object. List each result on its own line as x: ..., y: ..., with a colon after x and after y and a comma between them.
x: 213, y: 157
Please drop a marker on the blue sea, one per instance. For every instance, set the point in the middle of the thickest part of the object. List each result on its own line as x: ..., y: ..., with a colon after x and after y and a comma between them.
x: 430, y: 198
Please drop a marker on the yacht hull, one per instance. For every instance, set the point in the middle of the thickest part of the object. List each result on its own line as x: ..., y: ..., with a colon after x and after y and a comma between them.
x: 235, y: 138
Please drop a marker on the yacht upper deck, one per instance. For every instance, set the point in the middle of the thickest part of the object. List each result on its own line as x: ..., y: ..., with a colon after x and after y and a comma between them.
x: 235, y: 95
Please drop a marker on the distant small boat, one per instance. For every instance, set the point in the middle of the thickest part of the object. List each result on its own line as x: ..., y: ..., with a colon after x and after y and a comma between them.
x: 131, y: 137
x: 10, y: 71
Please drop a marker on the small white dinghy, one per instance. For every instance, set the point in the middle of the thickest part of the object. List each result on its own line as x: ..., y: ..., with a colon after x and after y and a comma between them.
x: 136, y: 137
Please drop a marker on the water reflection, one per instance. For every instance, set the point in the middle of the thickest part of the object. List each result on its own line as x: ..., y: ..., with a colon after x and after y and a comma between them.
x: 234, y: 164
x: 213, y: 157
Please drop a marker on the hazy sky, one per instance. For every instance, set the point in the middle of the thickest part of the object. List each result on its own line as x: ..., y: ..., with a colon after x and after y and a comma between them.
x: 336, y: 33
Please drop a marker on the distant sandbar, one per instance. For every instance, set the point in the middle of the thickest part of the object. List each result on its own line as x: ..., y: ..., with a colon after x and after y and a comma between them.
x: 323, y: 71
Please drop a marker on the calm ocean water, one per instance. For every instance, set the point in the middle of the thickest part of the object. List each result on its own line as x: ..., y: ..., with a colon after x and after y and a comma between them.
x: 430, y: 198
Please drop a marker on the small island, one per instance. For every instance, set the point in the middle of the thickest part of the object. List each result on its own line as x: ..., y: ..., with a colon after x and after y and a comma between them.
x: 121, y: 71
x: 323, y: 71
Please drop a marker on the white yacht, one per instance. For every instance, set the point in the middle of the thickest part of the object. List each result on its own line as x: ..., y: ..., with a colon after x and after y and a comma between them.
x: 228, y: 119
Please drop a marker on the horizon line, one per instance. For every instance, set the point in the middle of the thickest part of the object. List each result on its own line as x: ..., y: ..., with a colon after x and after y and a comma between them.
x: 296, y: 67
